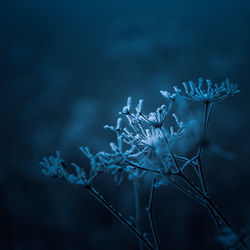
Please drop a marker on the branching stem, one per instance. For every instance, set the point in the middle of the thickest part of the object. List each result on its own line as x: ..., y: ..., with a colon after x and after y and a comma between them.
x: 213, y: 212
x: 197, y: 190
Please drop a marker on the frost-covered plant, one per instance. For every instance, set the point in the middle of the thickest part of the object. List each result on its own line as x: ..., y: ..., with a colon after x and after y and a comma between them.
x: 143, y: 150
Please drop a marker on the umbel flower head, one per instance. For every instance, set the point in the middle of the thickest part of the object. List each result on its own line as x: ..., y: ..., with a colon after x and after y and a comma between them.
x: 204, y: 92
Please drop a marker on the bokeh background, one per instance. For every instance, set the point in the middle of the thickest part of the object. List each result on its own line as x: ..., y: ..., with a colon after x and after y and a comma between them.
x: 66, y: 69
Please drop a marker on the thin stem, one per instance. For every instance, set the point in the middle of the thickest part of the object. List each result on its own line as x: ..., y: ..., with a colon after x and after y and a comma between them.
x: 186, y: 191
x: 119, y: 216
x: 204, y: 129
x: 199, y: 169
x: 137, y: 210
x: 204, y: 126
x: 150, y: 215
x: 209, y: 116
x: 215, y: 209
x: 218, y: 225
x: 212, y: 213
x: 200, y: 173
x: 184, y: 159
x: 201, y: 176
x: 142, y: 168
x: 206, y: 198
x: 189, y: 162
x: 210, y: 210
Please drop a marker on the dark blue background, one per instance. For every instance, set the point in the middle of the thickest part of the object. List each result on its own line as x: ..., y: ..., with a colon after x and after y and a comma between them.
x: 66, y: 69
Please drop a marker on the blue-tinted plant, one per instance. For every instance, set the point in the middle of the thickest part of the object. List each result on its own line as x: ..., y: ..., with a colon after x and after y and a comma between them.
x: 144, y: 149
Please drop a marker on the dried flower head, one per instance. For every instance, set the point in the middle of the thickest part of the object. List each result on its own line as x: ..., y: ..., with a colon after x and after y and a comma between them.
x: 54, y: 166
x: 208, y: 92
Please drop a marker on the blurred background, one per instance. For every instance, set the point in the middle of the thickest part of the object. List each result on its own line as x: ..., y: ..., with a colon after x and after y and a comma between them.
x: 66, y: 69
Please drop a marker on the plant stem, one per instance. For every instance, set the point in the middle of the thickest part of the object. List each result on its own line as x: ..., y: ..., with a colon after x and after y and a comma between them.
x: 209, y: 116
x: 218, y: 225
x: 186, y: 191
x: 119, y: 216
x: 200, y: 173
x: 137, y: 210
x: 204, y: 128
x: 197, y: 190
x: 214, y: 208
x: 142, y: 168
x: 150, y: 215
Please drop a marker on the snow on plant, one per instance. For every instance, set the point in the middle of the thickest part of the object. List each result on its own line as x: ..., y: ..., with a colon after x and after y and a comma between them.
x: 143, y: 150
